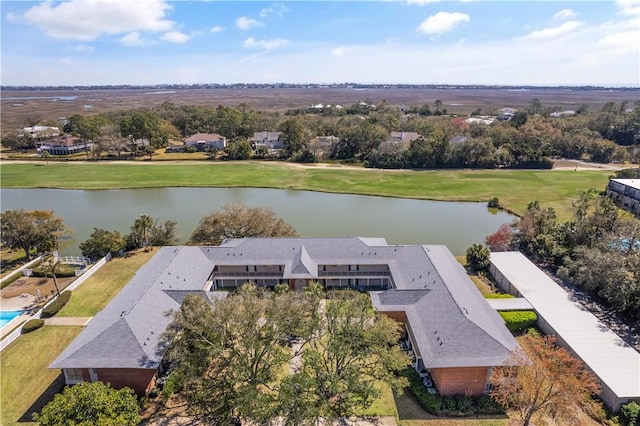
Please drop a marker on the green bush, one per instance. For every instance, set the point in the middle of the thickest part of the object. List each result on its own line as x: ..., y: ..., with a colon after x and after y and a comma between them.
x: 517, y: 321
x: 57, y: 304
x: 32, y: 325
x: 494, y: 203
x: 173, y: 384
x: 430, y: 402
x: 630, y: 414
x: 62, y: 271
x: 499, y: 296
x: 16, y: 276
x: 478, y: 257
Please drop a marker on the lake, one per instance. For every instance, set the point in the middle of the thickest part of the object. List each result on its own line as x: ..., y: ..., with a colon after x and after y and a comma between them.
x: 400, y: 221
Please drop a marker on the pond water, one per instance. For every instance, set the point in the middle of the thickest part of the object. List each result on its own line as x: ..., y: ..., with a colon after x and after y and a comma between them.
x: 400, y: 221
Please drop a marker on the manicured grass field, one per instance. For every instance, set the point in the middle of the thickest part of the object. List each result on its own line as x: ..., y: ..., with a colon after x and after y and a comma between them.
x: 514, y: 188
x: 101, y: 287
x: 25, y: 373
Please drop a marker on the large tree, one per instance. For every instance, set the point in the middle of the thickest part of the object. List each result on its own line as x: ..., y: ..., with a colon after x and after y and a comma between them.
x: 232, y: 352
x: 238, y: 221
x: 546, y: 379
x: 101, y: 242
x: 89, y: 404
x: 233, y: 355
x: 352, y: 351
x: 41, y: 230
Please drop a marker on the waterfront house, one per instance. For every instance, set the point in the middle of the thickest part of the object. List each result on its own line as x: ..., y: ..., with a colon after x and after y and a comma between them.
x: 204, y: 141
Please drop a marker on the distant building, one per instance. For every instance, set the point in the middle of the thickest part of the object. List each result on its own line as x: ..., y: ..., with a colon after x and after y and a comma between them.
x: 506, y: 114
x: 64, y: 145
x: 479, y: 120
x: 625, y: 193
x: 41, y: 132
x: 269, y: 140
x: 203, y: 141
x: 401, y: 137
x: 560, y: 114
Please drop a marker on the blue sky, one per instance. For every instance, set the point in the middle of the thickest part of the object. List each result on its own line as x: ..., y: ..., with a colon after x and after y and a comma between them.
x: 85, y: 42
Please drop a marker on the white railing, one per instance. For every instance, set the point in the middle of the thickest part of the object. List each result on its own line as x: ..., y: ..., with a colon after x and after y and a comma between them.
x: 18, y: 331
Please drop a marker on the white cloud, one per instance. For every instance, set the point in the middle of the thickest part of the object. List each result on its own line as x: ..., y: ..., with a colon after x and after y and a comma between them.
x: 67, y: 60
x: 342, y: 51
x: 442, y: 22
x: 265, y: 44
x: 621, y: 43
x: 421, y: 2
x: 175, y: 37
x: 87, y: 20
x: 553, y: 32
x: 278, y: 9
x: 244, y: 23
x: 134, y: 39
x: 11, y: 17
x: 82, y: 48
x: 629, y: 7
x: 564, y: 14
x: 217, y: 29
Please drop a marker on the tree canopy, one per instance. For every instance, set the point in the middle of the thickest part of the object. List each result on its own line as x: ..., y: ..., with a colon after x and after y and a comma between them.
x: 101, y: 242
x: 41, y: 230
x: 91, y: 404
x: 547, y: 380
x: 233, y: 354
x: 238, y: 221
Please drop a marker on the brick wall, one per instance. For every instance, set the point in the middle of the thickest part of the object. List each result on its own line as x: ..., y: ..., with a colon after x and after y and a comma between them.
x: 467, y: 380
x: 138, y: 379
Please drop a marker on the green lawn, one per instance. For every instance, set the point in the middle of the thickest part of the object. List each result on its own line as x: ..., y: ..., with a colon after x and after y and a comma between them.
x: 385, y: 405
x: 94, y: 294
x: 514, y: 188
x: 25, y: 376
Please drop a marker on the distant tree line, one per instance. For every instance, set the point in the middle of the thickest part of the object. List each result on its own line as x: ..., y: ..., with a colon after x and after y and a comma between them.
x: 528, y: 140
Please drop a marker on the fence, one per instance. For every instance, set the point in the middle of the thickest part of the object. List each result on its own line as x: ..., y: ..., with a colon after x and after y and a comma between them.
x: 18, y: 331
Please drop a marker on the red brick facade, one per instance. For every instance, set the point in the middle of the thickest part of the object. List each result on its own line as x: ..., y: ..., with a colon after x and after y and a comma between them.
x: 139, y: 379
x: 467, y: 380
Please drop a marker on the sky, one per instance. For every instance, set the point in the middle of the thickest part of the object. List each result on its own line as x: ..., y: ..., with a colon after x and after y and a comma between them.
x: 512, y: 42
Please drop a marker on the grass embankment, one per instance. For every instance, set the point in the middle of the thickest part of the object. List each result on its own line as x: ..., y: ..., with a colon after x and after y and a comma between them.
x: 101, y: 287
x: 514, y: 188
x: 25, y: 372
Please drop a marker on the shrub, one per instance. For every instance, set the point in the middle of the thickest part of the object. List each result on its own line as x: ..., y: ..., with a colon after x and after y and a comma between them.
x: 16, y: 276
x: 53, y: 308
x: 517, y: 321
x: 430, y: 402
x: 499, y: 296
x: 32, y: 325
x: 478, y: 257
x: 494, y: 203
x: 630, y: 414
x: 172, y: 384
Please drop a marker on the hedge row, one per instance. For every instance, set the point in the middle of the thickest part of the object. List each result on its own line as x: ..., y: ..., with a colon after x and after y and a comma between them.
x: 517, y: 321
x: 32, y: 325
x: 57, y: 304
x: 451, y: 406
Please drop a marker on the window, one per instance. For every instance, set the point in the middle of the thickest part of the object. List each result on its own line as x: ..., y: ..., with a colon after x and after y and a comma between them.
x: 73, y: 375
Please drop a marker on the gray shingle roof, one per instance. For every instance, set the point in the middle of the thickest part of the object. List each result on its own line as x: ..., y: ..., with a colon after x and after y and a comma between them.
x: 452, y: 324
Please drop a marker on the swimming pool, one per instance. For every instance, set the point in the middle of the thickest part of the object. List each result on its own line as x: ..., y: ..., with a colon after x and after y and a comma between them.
x: 6, y: 316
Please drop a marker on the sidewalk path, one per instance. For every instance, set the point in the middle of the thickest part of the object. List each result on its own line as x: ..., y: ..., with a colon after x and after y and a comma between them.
x: 67, y: 321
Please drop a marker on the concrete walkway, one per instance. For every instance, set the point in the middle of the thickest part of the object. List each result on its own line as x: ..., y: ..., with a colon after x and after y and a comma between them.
x: 82, y: 321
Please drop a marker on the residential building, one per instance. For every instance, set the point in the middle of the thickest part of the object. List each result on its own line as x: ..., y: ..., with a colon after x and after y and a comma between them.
x: 506, y: 114
x: 269, y: 140
x: 404, y: 137
x: 625, y: 193
x: 65, y: 145
x: 454, y: 335
x: 560, y: 114
x: 204, y: 141
x: 41, y: 132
